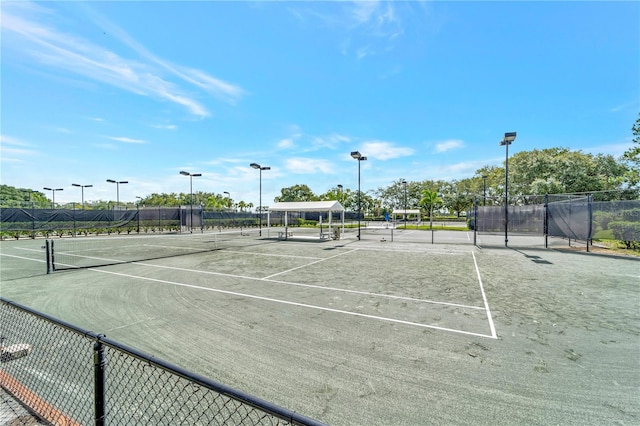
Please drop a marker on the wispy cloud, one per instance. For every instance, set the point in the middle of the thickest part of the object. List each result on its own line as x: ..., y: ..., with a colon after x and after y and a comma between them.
x: 332, y: 141
x: 448, y: 145
x: 11, y: 149
x: 308, y: 165
x: 366, y: 27
x: 285, y: 143
x: 289, y: 141
x: 10, y: 140
x: 383, y: 150
x: 148, y: 75
x: 624, y: 106
x: 125, y: 139
x: 165, y: 126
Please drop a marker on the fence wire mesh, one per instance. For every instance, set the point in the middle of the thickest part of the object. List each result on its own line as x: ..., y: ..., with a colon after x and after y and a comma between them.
x: 60, y: 374
x: 577, y: 217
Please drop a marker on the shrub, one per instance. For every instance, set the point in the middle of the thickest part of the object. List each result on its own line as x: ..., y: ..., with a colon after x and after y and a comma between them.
x: 627, y: 232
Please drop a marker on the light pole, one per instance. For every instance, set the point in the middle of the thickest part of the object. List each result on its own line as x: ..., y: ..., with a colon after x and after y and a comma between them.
x: 82, y: 187
x: 357, y: 156
x: 404, y: 182
x: 509, y: 137
x: 53, y: 191
x: 117, y: 182
x: 261, y: 168
x: 191, y: 176
x: 484, y: 190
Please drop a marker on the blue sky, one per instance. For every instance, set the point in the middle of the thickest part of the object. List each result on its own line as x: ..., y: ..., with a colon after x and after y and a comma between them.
x: 138, y: 91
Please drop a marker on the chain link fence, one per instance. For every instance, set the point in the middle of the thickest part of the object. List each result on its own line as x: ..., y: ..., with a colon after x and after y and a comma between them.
x: 64, y: 375
x: 567, y: 217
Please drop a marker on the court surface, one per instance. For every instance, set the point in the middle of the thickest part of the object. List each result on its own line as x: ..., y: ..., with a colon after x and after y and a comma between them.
x: 370, y: 331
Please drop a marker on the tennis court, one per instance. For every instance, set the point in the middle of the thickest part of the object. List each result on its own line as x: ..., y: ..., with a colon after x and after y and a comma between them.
x: 371, y: 331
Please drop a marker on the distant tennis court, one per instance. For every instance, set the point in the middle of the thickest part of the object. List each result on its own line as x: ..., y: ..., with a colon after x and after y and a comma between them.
x: 370, y: 331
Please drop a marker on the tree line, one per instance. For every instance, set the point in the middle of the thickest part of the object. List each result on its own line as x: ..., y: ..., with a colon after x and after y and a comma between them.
x: 531, y: 173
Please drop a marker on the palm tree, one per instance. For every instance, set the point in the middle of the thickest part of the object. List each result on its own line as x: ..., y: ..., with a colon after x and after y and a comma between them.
x: 429, y: 200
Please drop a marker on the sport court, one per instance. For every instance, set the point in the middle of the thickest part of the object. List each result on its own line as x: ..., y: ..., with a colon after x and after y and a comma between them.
x: 368, y: 331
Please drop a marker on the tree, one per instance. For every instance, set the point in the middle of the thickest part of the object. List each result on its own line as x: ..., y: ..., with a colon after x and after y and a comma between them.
x: 563, y: 171
x: 21, y: 197
x: 428, y: 201
x: 632, y: 157
x: 296, y: 193
x: 458, y: 195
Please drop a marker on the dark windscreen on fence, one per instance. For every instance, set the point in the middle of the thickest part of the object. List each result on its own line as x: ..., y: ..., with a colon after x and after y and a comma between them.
x: 522, y: 219
x: 570, y: 219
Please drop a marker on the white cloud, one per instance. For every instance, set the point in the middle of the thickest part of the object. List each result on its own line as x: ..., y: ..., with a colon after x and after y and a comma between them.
x: 331, y: 141
x: 448, y: 145
x: 308, y: 165
x: 165, y: 126
x: 77, y: 55
x: 11, y: 153
x: 365, y: 27
x: 285, y: 143
x: 383, y: 150
x: 125, y: 139
x: 10, y: 140
x: 363, y: 10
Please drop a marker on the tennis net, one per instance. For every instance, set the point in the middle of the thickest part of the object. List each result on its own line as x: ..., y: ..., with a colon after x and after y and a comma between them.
x: 90, y: 252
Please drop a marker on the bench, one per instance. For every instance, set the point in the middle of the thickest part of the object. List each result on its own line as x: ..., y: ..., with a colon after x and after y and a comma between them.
x: 282, y: 234
x: 326, y: 235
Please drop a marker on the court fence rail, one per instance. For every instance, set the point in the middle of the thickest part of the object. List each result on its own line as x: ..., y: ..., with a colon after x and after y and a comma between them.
x: 64, y: 375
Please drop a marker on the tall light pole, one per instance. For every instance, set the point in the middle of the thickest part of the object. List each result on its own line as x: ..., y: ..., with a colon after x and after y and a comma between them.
x: 82, y: 187
x: 53, y: 191
x: 117, y: 182
x: 261, y: 168
x: 509, y: 137
x: 357, y: 156
x: 484, y: 190
x: 404, y: 182
x: 191, y: 176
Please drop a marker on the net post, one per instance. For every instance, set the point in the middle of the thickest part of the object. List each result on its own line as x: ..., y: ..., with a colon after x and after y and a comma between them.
x: 53, y: 255
x: 48, y: 256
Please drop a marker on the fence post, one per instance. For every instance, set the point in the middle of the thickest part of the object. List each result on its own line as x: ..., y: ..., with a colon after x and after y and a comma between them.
x: 99, y: 363
x: 590, y: 216
x: 545, y: 223
x: 475, y: 219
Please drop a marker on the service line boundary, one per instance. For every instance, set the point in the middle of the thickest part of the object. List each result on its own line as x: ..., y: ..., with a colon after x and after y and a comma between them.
x: 287, y: 302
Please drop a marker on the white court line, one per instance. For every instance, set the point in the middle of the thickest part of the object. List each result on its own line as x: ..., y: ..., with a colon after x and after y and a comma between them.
x: 22, y: 257
x: 308, y: 264
x: 341, y: 290
x: 272, y: 254
x: 484, y: 298
x: 302, y: 305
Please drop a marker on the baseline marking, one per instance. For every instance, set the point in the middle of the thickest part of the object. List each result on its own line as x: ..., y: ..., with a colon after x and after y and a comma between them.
x: 302, y: 305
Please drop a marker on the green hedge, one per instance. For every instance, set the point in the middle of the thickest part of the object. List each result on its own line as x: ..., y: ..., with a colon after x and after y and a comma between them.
x: 627, y: 232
